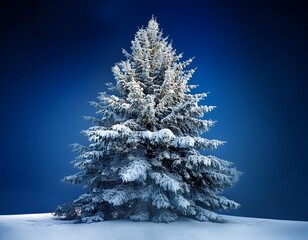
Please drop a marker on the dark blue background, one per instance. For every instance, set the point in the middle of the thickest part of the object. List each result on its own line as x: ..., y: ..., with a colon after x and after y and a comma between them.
x: 251, y: 56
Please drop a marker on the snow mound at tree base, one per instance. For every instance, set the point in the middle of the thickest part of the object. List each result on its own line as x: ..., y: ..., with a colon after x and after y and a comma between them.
x: 46, y: 226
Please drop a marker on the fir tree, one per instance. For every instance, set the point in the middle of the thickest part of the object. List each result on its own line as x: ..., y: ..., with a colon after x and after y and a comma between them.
x: 143, y: 161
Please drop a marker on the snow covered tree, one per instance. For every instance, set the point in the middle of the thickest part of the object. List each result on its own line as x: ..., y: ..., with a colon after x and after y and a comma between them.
x: 143, y: 161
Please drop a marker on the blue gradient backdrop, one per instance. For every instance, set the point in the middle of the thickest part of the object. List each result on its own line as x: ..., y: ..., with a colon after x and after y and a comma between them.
x: 251, y: 56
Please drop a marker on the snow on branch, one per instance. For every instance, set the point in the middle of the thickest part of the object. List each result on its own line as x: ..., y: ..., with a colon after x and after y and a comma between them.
x: 181, y: 202
x: 167, y: 182
x: 136, y: 170
x: 112, y: 196
x: 161, y: 201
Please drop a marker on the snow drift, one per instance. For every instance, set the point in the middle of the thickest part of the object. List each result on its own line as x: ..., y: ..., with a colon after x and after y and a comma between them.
x: 46, y: 226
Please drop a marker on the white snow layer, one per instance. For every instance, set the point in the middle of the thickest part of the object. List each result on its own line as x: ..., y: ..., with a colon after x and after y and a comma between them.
x: 45, y: 226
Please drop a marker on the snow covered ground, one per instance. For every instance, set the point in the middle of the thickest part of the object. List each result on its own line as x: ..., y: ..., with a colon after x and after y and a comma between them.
x: 46, y: 227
